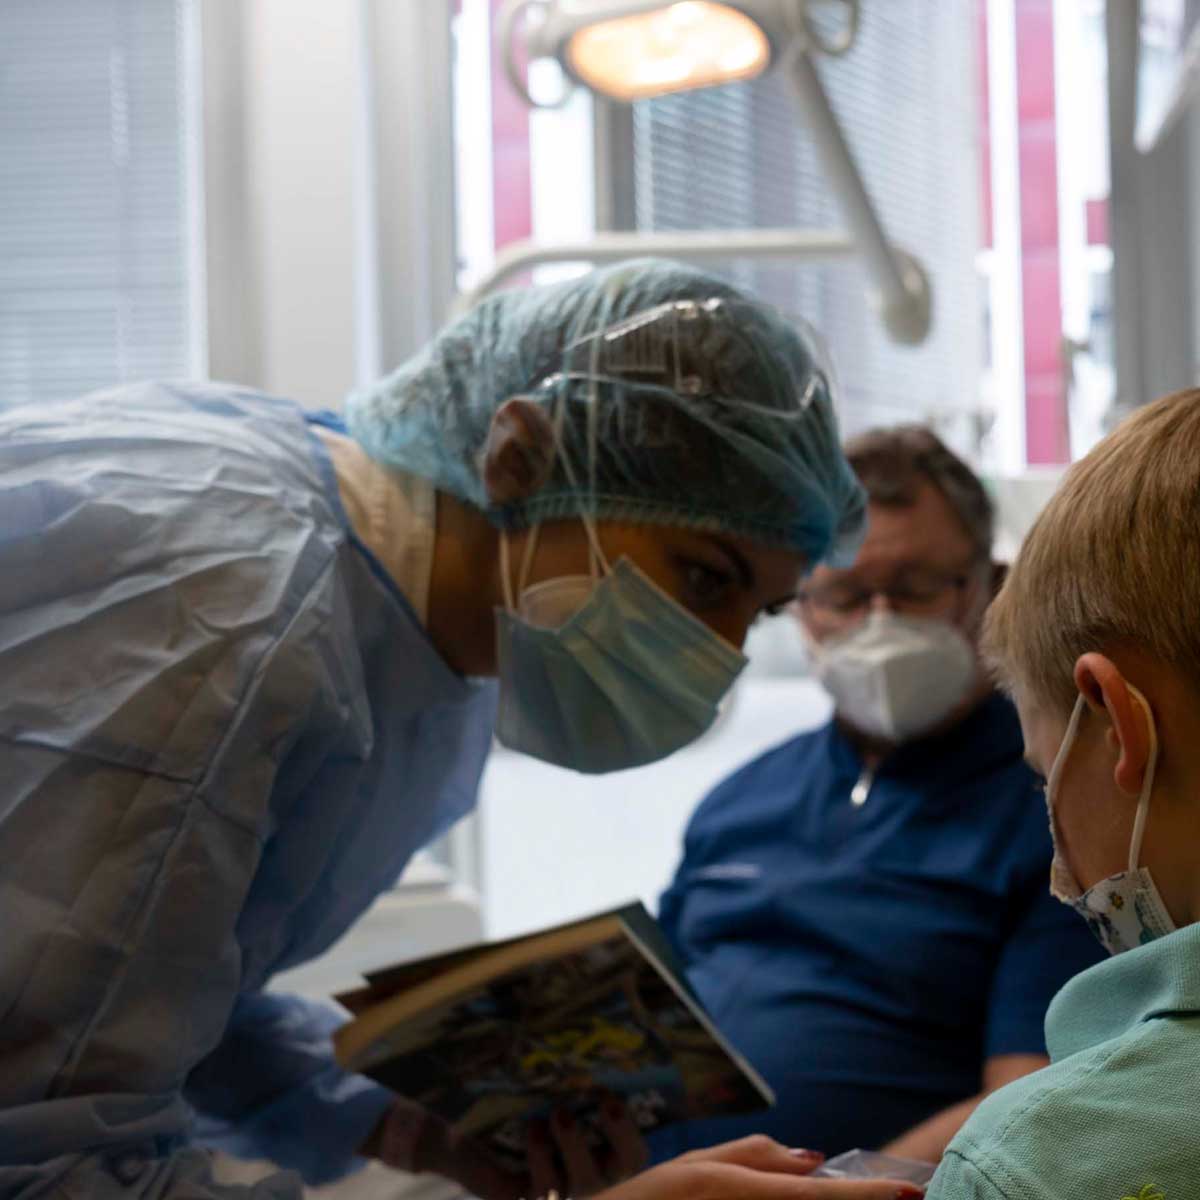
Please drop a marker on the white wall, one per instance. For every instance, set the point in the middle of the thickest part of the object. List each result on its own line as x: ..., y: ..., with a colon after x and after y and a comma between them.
x: 328, y: 186
x: 301, y: 135
x: 1019, y: 499
x: 556, y: 845
x: 280, y: 102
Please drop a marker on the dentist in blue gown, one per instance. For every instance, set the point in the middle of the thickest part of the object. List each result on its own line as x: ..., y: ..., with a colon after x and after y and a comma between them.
x: 252, y: 659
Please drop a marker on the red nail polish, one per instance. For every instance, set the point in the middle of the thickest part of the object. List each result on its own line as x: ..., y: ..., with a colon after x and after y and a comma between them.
x: 910, y: 1193
x: 799, y: 1152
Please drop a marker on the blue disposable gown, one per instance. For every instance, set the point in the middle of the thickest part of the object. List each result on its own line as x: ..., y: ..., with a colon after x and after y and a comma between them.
x: 222, y: 733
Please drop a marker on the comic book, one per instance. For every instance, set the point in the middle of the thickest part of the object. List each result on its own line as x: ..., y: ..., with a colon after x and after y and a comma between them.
x: 493, y: 1036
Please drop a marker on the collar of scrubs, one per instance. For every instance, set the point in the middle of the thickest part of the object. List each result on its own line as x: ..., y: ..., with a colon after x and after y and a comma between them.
x: 1158, y: 979
x: 393, y: 513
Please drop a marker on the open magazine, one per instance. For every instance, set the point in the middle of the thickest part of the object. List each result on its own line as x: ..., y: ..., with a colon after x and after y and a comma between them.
x: 493, y: 1036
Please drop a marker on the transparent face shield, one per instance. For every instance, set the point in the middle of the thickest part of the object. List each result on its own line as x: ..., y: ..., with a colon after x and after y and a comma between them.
x: 677, y: 401
x: 700, y: 355
x: 713, y: 414
x: 694, y: 346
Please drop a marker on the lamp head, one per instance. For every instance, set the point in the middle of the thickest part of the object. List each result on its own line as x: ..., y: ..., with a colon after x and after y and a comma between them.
x: 637, y: 49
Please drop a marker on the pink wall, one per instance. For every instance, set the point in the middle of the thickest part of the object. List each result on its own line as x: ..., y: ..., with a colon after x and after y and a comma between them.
x: 1046, y: 433
x: 985, y: 141
x: 511, y: 186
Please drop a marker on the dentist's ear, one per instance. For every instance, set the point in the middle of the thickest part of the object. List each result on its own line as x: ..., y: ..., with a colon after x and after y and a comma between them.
x: 519, y: 452
x: 1110, y: 695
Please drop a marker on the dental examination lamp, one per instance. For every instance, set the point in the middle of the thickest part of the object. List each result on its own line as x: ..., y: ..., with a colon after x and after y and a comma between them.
x: 631, y: 50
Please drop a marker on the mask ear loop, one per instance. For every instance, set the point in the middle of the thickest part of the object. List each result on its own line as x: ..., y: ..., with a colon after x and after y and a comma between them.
x: 510, y: 600
x: 1060, y: 758
x: 598, y: 564
x: 506, y: 572
x: 527, y: 559
x: 1063, y: 885
x: 1143, y: 809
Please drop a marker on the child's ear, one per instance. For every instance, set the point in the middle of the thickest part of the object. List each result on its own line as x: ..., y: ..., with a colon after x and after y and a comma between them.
x: 1111, y: 697
x: 519, y: 452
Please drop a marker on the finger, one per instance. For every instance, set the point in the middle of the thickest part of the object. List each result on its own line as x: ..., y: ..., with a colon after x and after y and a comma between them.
x: 543, y: 1171
x: 760, y: 1153
x: 848, y: 1189
x: 583, y: 1173
x: 467, y: 1164
x: 402, y: 1134
x: 744, y: 1183
x: 806, y: 1160
x: 629, y: 1150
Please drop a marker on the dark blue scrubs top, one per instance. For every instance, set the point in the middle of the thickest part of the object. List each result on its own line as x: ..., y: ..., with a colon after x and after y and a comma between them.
x: 868, y: 958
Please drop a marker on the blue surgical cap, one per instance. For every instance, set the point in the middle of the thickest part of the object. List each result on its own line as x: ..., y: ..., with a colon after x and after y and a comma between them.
x: 676, y: 399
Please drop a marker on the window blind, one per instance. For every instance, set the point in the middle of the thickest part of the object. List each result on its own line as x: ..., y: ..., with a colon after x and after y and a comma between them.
x: 94, y: 275
x: 740, y: 156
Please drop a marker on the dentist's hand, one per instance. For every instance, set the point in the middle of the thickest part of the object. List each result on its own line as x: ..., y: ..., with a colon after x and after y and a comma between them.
x: 559, y: 1156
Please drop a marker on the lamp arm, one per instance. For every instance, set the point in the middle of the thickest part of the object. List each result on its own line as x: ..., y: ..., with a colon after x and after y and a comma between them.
x: 901, y: 285
x: 701, y: 246
x: 510, y: 13
x: 804, y: 29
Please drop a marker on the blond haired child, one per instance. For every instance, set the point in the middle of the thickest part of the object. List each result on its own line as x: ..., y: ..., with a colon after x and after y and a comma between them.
x: 1097, y: 635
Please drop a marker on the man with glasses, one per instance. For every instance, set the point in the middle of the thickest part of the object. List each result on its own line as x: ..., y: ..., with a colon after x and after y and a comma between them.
x: 865, y: 909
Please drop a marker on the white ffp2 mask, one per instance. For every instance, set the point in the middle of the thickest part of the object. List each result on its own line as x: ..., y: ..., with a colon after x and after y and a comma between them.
x: 896, y: 677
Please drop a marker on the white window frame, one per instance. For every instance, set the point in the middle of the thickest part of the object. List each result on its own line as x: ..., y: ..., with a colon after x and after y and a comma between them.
x: 333, y: 118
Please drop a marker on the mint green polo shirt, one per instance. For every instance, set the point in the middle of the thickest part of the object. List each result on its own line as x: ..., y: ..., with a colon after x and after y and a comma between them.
x: 1117, y: 1113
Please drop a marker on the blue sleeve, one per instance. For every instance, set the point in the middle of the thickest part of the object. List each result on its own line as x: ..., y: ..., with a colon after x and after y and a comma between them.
x: 160, y: 659
x: 272, y: 1090
x: 1047, y: 946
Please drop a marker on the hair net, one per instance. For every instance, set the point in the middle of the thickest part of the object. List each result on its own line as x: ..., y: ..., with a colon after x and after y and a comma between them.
x: 676, y: 400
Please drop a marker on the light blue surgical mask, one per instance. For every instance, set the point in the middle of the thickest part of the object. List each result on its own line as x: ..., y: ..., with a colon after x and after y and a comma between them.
x: 604, y: 671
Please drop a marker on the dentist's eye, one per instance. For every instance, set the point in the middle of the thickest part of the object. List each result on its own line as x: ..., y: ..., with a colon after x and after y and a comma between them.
x: 705, y: 586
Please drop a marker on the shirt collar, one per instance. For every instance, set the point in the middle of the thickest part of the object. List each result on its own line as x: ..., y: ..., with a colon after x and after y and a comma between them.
x: 1107, y: 1000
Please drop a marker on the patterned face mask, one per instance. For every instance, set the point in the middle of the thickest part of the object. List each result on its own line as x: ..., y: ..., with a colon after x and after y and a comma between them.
x: 1125, y: 910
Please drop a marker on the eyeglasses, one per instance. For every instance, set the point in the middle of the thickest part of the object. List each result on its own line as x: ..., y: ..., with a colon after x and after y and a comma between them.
x: 913, y: 590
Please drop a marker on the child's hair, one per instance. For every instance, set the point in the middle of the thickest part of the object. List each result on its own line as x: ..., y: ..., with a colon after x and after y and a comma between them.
x: 1114, y: 560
